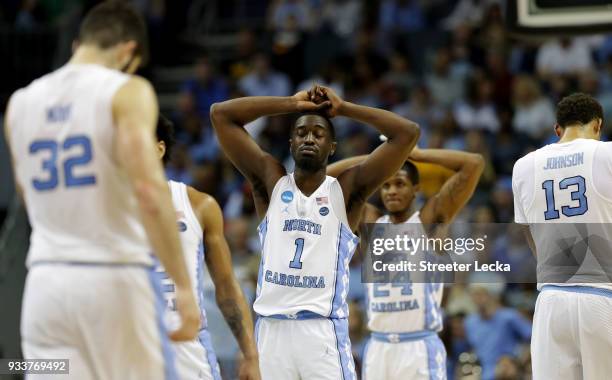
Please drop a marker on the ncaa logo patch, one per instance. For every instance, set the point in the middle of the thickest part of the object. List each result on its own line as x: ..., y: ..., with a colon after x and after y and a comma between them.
x: 323, y: 211
x: 182, y: 227
x: 287, y: 196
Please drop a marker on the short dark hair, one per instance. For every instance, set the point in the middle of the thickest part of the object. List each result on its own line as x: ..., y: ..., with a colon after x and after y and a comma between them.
x: 112, y: 22
x: 412, y: 172
x: 165, y: 133
x: 578, y: 108
x: 332, y: 129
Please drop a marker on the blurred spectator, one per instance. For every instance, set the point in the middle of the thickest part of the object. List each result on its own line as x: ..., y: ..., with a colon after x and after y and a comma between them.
x: 399, y: 74
x: 502, y: 200
x: 446, y: 84
x: 507, y: 368
x: 263, y: 80
x: 454, y: 340
x: 421, y: 110
x: 343, y: 17
x: 469, y: 12
x: 204, y: 89
x: 564, y: 56
x: 246, y: 47
x: 400, y: 16
x: 289, y: 13
x: 497, y: 70
x: 494, y: 330
x: 534, y: 114
x: 477, y: 111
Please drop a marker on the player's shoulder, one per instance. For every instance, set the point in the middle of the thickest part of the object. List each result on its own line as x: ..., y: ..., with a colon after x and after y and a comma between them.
x: 135, y: 85
x: 204, y: 205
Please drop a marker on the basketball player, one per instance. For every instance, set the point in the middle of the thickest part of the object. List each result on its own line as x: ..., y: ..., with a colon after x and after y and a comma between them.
x: 404, y: 342
x: 569, y: 182
x: 84, y: 156
x: 306, y: 234
x: 200, y: 223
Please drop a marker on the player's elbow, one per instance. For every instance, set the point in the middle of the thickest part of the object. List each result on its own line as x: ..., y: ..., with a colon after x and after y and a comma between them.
x: 410, y: 133
x: 217, y: 112
x: 475, y: 163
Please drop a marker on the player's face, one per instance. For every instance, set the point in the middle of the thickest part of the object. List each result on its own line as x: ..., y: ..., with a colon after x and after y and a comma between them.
x: 397, y: 193
x: 311, y: 142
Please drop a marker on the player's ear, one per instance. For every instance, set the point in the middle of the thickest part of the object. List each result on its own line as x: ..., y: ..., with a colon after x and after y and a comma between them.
x: 558, y: 130
x: 598, y: 124
x: 333, y: 148
x: 161, y: 149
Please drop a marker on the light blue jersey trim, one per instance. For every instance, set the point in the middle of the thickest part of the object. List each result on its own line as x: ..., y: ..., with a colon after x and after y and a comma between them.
x: 200, y: 282
x: 206, y: 342
x: 262, y: 229
x: 433, y: 314
x: 580, y: 289
x: 160, y: 308
x: 343, y: 344
x: 300, y: 315
x: 347, y: 242
x: 401, y: 337
x: 436, y: 358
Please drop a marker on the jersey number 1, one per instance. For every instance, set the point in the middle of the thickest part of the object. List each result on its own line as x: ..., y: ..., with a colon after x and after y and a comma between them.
x: 577, y: 195
x: 299, y: 248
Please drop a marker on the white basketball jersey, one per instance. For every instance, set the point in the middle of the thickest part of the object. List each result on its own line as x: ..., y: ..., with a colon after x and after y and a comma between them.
x: 191, y: 236
x: 407, y: 306
x: 80, y: 204
x: 306, y: 248
x: 565, y: 183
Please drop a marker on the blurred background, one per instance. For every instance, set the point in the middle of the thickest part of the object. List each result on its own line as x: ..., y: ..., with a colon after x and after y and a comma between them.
x: 450, y: 65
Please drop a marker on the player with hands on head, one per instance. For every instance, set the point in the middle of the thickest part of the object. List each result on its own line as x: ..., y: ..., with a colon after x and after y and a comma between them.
x: 307, y: 223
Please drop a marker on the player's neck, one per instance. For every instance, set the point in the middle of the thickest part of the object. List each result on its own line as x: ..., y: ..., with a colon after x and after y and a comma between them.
x: 400, y: 216
x: 85, y: 54
x: 308, y: 182
x: 577, y: 132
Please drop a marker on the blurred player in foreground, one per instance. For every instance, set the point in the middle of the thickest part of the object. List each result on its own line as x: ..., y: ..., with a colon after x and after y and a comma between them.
x: 306, y: 235
x: 83, y: 148
x: 200, y: 223
x: 405, y: 316
x: 570, y: 182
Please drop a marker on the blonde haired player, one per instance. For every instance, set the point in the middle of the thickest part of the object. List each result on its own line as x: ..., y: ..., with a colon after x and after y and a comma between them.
x: 84, y: 156
x: 569, y: 182
x: 405, y: 317
x: 200, y: 225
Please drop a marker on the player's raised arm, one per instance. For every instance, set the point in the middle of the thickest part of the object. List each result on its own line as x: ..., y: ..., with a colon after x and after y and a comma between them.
x: 228, y: 119
x: 361, y: 180
x: 135, y: 114
x: 229, y: 296
x: 457, y: 190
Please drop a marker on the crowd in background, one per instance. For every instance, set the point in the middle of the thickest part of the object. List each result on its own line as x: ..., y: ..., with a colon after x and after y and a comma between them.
x: 449, y: 65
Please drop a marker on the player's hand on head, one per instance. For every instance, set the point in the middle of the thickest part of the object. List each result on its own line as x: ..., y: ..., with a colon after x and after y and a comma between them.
x: 305, y: 102
x: 322, y: 92
x: 189, y: 314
